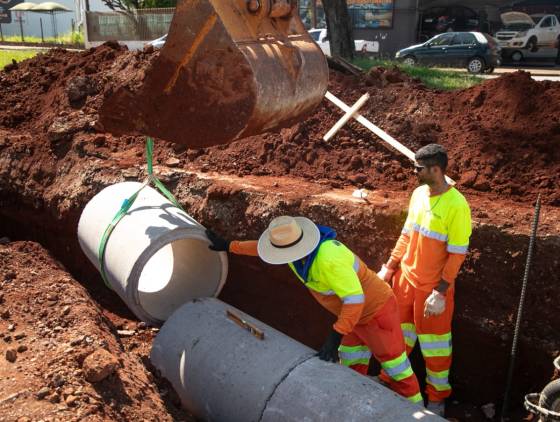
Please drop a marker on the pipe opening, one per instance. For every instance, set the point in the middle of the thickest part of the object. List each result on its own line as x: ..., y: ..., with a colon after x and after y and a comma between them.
x: 178, y: 272
x: 157, y: 256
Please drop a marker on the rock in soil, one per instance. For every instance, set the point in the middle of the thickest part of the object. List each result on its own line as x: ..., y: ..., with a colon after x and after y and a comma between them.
x: 43, y: 392
x: 11, y: 355
x: 99, y: 365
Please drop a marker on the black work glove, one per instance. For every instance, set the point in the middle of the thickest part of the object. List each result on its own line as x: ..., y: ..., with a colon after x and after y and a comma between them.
x: 218, y: 244
x: 329, y: 351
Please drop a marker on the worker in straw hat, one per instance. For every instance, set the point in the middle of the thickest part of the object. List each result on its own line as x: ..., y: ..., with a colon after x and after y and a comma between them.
x: 368, y: 319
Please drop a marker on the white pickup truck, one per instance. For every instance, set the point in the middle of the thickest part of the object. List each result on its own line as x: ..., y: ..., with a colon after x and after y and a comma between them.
x: 320, y: 37
x: 521, y: 32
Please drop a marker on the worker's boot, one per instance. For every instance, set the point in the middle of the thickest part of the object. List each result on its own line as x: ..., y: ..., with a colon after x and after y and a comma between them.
x: 436, y: 407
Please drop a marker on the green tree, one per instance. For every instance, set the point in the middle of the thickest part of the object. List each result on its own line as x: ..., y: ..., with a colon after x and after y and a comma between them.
x: 131, y: 5
x: 129, y: 9
x: 151, y: 4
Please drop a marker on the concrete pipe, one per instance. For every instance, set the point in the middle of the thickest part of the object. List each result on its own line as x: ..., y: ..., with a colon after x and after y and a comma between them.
x: 224, y: 372
x: 157, y: 257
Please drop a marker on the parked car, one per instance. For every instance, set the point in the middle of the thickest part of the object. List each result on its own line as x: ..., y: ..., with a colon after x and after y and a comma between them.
x: 521, y: 32
x: 437, y: 20
x: 476, y: 51
x: 320, y: 37
x: 158, y: 42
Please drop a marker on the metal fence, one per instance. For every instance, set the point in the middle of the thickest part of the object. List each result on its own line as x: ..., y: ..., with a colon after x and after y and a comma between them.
x: 137, y: 25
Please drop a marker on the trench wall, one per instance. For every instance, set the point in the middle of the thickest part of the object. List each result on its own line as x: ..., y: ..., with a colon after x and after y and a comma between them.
x: 486, y: 296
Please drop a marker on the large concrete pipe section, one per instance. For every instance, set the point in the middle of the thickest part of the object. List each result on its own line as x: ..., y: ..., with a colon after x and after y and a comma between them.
x: 157, y: 257
x: 224, y: 372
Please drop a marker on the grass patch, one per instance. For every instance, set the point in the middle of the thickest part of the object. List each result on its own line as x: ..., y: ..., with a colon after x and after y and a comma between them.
x: 68, y: 38
x: 432, y: 78
x: 6, y: 56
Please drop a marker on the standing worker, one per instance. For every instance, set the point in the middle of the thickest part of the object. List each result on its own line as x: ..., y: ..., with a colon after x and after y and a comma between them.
x: 368, y: 320
x: 430, y: 251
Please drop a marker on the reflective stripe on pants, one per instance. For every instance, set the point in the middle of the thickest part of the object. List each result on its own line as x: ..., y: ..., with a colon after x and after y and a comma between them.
x: 434, y: 345
x: 438, y: 380
x: 409, y: 333
x: 354, y: 355
x: 382, y: 337
x: 398, y: 368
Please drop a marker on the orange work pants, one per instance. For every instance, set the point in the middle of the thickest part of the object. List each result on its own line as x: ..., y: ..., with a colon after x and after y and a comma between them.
x: 433, y: 334
x: 383, y: 337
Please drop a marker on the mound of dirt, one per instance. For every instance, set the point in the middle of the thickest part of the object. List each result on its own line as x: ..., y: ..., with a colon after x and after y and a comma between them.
x: 51, y: 332
x: 503, y: 136
x: 60, y: 91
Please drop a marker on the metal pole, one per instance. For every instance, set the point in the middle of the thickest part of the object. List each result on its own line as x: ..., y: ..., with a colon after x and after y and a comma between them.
x: 42, y: 35
x: 72, y: 38
x: 314, y: 13
x: 53, y: 25
x: 21, y: 28
x: 1, y: 34
x: 418, y: 22
x: 520, y: 307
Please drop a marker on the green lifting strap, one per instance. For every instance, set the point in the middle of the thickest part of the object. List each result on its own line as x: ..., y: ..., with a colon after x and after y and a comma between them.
x: 127, y: 203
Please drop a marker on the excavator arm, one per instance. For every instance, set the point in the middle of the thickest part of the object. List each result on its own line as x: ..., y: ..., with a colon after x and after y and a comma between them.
x: 229, y: 69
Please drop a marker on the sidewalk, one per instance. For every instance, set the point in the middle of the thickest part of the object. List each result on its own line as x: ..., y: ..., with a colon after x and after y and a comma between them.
x: 32, y: 47
x: 537, y: 71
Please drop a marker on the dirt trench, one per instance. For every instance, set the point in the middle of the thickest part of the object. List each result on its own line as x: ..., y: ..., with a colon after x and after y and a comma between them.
x: 487, y: 292
x: 55, y: 156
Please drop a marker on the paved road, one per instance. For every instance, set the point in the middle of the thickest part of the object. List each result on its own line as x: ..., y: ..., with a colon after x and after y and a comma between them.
x: 542, y: 73
x: 547, y: 78
x: 27, y: 47
x: 555, y: 78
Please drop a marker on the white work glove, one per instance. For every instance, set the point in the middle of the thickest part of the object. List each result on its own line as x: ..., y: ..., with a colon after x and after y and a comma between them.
x: 385, y: 273
x: 435, y: 304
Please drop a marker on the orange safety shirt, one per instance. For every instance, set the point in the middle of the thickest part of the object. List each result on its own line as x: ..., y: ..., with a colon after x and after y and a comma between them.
x: 435, y: 238
x: 340, y: 281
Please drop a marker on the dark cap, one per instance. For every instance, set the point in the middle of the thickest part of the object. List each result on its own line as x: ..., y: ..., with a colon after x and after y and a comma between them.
x: 432, y: 155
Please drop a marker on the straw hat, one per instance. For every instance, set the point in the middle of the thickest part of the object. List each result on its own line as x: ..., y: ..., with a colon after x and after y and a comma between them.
x: 288, y: 239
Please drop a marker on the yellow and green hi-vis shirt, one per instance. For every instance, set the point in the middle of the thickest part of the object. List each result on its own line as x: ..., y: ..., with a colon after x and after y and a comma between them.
x: 435, y: 237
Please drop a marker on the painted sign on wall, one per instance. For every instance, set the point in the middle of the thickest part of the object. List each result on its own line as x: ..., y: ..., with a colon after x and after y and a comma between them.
x: 365, y: 14
x: 371, y: 13
x: 5, y: 14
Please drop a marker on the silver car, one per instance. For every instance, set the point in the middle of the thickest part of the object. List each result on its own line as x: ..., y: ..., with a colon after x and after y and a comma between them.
x: 159, y: 42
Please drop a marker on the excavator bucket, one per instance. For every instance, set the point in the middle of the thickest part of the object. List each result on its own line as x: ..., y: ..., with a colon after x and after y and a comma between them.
x: 229, y: 69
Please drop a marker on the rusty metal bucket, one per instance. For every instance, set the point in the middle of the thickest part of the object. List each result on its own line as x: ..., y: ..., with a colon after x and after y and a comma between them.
x: 229, y: 69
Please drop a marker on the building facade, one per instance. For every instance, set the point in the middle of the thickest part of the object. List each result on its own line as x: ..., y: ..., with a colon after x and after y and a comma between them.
x: 34, y: 24
x: 396, y: 24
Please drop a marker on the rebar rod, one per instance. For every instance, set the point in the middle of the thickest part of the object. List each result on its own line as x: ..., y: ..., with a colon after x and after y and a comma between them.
x: 520, y: 307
